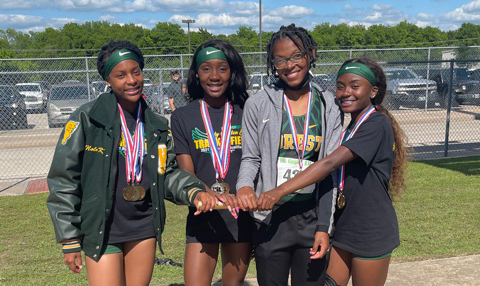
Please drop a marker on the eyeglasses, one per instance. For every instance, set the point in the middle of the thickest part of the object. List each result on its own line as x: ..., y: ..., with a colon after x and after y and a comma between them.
x: 297, y: 58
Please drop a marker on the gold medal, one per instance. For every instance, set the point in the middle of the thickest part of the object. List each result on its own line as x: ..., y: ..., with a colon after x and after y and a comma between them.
x: 133, y: 193
x: 340, y: 200
x: 225, y: 187
x: 218, y: 188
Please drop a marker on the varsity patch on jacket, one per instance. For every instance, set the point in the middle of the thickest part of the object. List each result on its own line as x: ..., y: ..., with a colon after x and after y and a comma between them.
x: 70, y: 128
x: 162, y: 158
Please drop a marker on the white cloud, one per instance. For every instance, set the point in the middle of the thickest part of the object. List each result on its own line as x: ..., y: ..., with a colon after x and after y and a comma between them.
x: 348, y: 7
x: 381, y: 7
x: 210, y: 20
x: 108, y: 18
x: 422, y: 24
x: 291, y: 12
x: 90, y: 5
x: 354, y: 23
x: 26, y: 4
x: 34, y: 23
x: 467, y: 13
x: 177, y: 5
x: 373, y: 17
x: 423, y: 16
x: 244, y: 8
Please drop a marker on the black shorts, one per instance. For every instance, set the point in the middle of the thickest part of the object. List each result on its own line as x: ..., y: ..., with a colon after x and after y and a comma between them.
x: 218, y: 226
x: 283, y: 246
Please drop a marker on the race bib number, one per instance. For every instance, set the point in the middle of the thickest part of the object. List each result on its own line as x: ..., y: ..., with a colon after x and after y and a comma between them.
x: 287, y: 168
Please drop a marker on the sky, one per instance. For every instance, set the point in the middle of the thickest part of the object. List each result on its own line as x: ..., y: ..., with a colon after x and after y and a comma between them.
x: 225, y: 16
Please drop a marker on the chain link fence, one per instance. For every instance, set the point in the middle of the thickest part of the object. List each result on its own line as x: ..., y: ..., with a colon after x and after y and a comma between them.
x: 433, y: 92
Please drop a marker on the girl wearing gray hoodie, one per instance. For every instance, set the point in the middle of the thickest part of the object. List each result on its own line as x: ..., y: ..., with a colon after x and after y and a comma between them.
x: 287, y: 127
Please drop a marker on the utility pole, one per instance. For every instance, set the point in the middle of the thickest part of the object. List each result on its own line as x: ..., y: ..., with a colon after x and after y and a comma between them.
x: 188, y: 21
x: 260, y: 26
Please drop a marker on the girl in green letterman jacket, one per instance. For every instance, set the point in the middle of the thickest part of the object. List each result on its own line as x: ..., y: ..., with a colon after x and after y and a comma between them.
x: 102, y: 203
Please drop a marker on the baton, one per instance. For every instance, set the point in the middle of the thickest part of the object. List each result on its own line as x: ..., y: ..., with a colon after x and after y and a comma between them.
x: 219, y: 206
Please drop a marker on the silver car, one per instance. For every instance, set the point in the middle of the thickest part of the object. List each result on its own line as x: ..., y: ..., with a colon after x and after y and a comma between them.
x: 35, y: 95
x: 64, y: 100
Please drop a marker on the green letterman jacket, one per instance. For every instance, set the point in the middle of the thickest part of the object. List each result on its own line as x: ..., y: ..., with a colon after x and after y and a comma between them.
x: 82, y: 178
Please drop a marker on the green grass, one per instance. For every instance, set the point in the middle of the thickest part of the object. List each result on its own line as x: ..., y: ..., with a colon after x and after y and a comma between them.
x: 438, y: 216
x: 439, y: 212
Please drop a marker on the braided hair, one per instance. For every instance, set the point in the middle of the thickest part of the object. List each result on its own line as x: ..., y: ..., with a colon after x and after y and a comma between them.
x: 300, y: 37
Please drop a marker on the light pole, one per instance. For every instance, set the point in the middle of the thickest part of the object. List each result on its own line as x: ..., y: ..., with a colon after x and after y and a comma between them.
x: 188, y: 30
x: 260, y: 26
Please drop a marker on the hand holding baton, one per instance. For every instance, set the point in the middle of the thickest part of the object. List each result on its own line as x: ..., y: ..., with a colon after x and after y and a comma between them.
x: 219, y: 206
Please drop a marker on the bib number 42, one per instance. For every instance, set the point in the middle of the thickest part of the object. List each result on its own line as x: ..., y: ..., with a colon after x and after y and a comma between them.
x: 289, y: 173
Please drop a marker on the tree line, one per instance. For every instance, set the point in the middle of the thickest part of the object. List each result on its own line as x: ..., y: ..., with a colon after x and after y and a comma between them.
x: 166, y: 38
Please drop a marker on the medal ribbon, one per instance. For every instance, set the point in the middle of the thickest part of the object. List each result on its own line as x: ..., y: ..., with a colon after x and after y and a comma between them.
x: 220, y: 160
x: 134, y: 149
x: 294, y: 129
x: 341, y: 171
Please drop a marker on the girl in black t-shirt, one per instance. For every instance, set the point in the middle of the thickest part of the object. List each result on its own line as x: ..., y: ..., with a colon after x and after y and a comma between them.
x: 217, y: 85
x: 370, y: 162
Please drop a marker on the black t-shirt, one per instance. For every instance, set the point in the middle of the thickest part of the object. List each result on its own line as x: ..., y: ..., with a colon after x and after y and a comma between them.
x: 190, y: 138
x: 130, y: 220
x: 368, y: 225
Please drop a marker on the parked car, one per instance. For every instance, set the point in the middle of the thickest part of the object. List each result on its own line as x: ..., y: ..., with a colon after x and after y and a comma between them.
x: 147, y: 82
x: 466, y: 89
x: 36, y: 95
x: 326, y: 81
x: 405, y: 88
x: 98, y: 87
x: 64, y: 100
x: 157, y: 98
x: 256, y: 81
x: 13, y: 111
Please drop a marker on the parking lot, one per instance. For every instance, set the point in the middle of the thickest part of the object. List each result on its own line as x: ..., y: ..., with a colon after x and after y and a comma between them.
x: 28, y: 153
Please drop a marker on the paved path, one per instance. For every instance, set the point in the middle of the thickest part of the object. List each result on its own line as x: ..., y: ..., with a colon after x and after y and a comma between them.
x: 454, y: 271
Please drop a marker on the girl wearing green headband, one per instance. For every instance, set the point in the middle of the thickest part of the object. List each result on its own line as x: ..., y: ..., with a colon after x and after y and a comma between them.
x: 117, y: 222
x: 216, y: 77
x: 370, y: 163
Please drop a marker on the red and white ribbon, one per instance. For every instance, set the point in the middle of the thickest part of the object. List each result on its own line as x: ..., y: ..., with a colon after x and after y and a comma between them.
x: 134, y: 149
x: 220, y: 158
x: 294, y: 128
x: 363, y: 118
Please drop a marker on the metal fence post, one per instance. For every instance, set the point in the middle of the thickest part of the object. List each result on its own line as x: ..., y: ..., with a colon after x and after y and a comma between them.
x: 88, y: 79
x: 449, y: 106
x: 160, y: 95
x: 181, y: 64
x: 428, y: 77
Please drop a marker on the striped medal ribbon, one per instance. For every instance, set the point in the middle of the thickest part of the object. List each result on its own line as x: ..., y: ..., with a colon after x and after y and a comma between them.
x: 220, y: 157
x: 134, y: 151
x: 341, y: 170
x: 291, y: 121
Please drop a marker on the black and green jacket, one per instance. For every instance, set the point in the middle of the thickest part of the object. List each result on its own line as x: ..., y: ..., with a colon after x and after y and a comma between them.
x: 82, y: 178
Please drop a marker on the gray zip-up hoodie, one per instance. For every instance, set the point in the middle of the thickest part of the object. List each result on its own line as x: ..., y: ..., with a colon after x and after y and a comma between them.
x: 261, y: 128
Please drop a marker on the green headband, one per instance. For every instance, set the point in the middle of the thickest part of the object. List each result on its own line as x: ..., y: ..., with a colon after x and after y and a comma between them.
x: 209, y: 53
x: 117, y: 57
x: 360, y: 69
